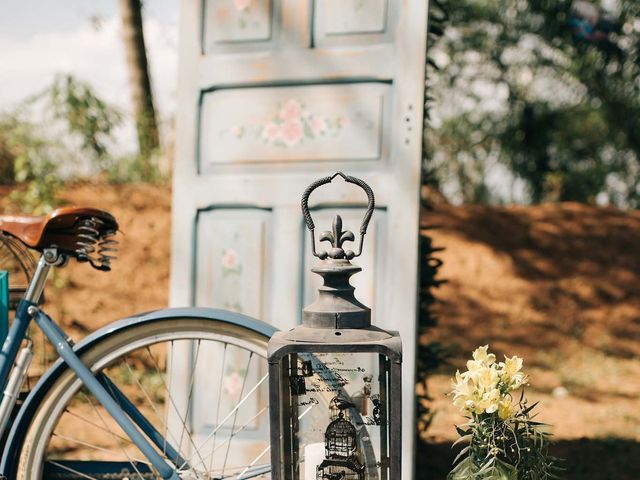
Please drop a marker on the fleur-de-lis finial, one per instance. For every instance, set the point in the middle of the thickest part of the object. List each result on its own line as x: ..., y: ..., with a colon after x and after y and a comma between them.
x: 337, y: 237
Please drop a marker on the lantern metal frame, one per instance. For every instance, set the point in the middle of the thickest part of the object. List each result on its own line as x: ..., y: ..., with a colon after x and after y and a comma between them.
x: 335, y: 323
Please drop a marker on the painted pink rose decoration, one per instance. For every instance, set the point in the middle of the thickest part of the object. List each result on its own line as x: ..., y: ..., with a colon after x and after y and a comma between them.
x: 230, y: 259
x: 292, y: 132
x: 291, y: 110
x: 271, y: 132
x: 318, y: 125
x: 343, y: 122
x: 291, y: 124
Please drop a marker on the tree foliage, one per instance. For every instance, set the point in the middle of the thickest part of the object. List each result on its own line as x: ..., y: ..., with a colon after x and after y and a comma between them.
x: 63, y: 129
x: 520, y: 89
x: 86, y: 116
x: 32, y: 158
x: 64, y: 132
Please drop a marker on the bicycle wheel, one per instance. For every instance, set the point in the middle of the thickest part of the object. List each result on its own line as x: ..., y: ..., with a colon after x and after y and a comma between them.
x: 203, y: 385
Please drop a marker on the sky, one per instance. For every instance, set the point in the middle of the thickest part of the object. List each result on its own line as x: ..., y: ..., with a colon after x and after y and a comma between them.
x: 40, y: 39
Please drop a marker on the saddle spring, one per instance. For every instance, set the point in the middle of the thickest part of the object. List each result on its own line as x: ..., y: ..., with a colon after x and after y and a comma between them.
x: 96, y: 245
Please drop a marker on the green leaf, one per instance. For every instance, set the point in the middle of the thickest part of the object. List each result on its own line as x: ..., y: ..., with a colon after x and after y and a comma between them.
x: 465, y: 470
x: 461, y: 454
x: 465, y: 438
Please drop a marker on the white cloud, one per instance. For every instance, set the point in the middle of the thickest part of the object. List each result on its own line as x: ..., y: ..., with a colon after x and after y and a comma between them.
x: 96, y: 56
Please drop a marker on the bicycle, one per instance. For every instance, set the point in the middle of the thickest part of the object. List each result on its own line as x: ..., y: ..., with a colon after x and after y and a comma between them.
x: 108, y: 407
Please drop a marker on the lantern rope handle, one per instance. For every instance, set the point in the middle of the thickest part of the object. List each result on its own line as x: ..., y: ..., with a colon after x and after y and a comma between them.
x: 365, y: 221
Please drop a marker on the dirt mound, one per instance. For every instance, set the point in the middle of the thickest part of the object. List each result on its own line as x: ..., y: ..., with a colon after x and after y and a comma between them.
x: 536, y: 277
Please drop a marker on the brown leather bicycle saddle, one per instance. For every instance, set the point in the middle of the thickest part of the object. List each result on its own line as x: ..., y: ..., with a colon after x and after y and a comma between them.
x: 67, y: 229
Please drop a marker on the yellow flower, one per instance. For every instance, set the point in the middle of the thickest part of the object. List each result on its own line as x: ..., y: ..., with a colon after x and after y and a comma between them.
x: 488, y: 378
x: 506, y: 409
x: 481, y: 354
x: 511, y: 366
x: 510, y: 372
x: 485, y: 386
x: 463, y: 386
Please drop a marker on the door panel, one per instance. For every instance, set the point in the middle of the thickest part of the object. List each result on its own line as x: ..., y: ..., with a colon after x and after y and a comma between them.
x: 293, y: 124
x: 231, y: 268
x: 237, y: 25
x: 350, y: 22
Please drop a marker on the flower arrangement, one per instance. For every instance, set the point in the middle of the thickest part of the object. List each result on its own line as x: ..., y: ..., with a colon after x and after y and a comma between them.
x: 503, y: 440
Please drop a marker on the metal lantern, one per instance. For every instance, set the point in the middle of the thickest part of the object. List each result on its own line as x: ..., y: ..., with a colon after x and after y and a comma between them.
x: 335, y: 380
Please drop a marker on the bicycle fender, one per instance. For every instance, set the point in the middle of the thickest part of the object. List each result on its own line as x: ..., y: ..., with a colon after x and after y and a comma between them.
x: 20, y: 425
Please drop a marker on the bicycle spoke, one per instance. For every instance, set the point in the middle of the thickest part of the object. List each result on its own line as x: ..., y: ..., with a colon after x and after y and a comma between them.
x: 235, y: 415
x: 251, y: 420
x: 268, y: 447
x: 252, y: 472
x: 124, y: 450
x: 221, y: 377
x: 182, y: 419
x: 96, y: 447
x: 230, y: 414
x: 72, y: 470
x: 86, y: 420
x: 144, y: 391
x: 255, y: 460
x: 152, y: 404
x: 189, y: 397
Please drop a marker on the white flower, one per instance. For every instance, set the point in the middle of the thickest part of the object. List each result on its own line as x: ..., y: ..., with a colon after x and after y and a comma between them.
x: 488, y: 378
x: 510, y: 372
x: 481, y: 354
x: 475, y: 367
x: 511, y: 366
x: 490, y: 401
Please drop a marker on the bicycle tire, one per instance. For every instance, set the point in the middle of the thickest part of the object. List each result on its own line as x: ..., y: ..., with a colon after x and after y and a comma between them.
x: 37, y: 449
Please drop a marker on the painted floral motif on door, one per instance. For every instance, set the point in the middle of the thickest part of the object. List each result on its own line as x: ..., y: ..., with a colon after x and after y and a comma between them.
x: 294, y: 123
x: 302, y: 123
x: 231, y: 279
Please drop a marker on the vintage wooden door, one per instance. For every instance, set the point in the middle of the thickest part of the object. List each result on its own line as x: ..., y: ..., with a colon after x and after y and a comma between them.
x: 274, y: 94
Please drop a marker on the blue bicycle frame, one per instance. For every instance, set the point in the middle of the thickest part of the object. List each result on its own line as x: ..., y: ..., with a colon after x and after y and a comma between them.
x: 141, y: 432
x: 112, y: 399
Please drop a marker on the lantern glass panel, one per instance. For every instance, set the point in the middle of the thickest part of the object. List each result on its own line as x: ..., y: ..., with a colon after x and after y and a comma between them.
x: 335, y: 415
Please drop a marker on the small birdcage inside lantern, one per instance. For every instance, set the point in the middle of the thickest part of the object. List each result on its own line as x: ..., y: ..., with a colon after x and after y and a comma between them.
x: 335, y: 380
